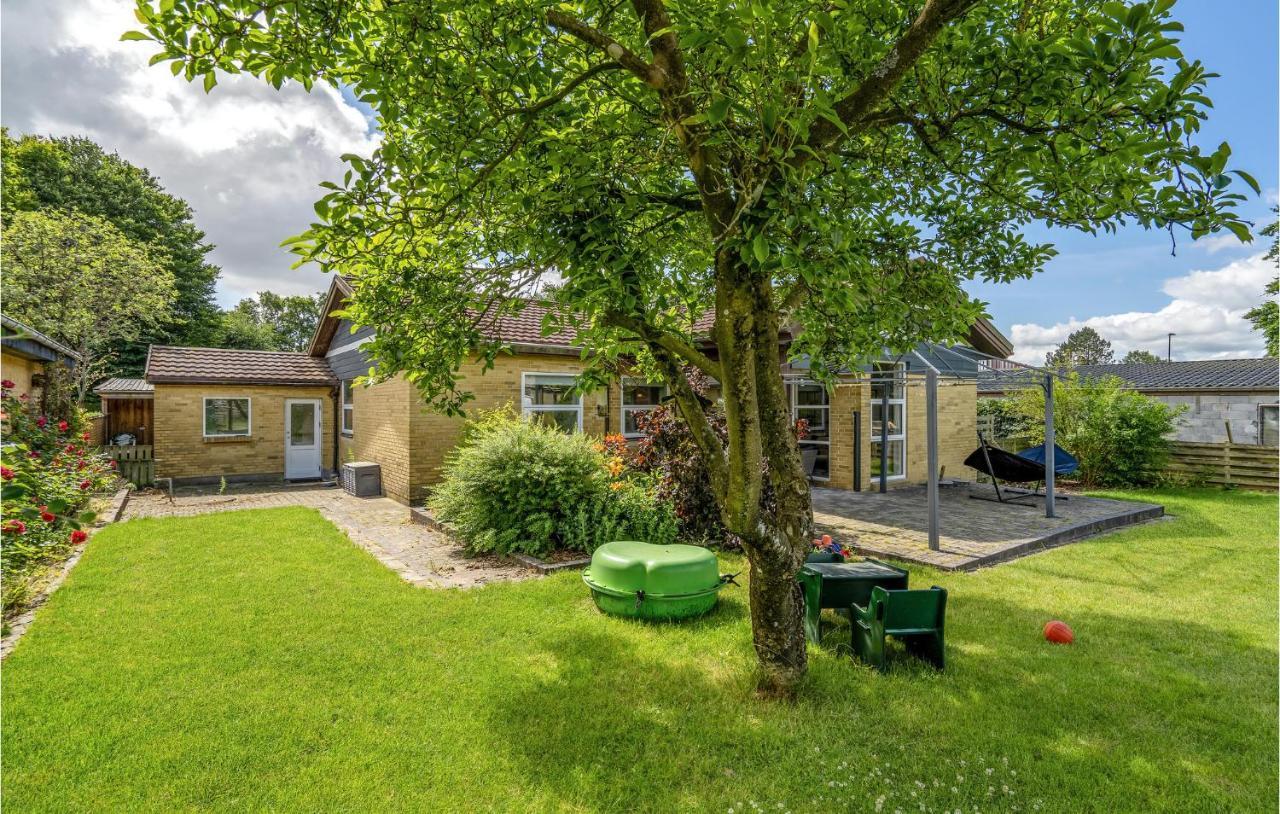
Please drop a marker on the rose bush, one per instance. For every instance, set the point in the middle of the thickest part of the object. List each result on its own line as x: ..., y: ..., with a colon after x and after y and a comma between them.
x: 49, y: 472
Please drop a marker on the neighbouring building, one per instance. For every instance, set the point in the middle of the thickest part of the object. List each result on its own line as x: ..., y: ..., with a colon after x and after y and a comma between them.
x: 1225, y: 399
x: 26, y: 354
x: 253, y: 414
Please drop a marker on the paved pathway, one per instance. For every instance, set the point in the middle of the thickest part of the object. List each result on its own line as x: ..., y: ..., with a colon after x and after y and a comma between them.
x: 973, y: 533
x: 379, y: 525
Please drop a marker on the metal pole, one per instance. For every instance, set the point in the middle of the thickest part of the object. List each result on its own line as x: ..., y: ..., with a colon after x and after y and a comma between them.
x: 1050, y: 450
x: 1168, y: 354
x: 931, y: 418
x: 885, y: 384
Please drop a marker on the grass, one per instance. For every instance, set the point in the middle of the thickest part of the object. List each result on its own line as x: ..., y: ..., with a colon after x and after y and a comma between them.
x: 257, y: 660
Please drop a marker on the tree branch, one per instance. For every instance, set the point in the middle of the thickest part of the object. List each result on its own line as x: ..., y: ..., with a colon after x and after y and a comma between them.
x: 666, y: 341
x: 602, y: 41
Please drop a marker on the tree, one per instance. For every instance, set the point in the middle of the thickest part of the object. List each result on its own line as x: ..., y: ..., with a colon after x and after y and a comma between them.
x: 76, y: 175
x: 831, y: 171
x: 1140, y: 357
x: 1266, y: 317
x: 1082, y: 347
x: 271, y: 322
x: 79, y: 280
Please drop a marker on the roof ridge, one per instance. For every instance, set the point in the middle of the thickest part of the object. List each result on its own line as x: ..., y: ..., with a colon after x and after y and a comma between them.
x: 232, y: 350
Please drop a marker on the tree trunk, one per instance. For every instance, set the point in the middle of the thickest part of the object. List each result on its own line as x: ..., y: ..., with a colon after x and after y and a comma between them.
x: 777, y: 620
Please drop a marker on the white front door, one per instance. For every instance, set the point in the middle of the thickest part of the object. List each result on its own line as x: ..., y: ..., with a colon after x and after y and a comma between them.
x: 302, y: 438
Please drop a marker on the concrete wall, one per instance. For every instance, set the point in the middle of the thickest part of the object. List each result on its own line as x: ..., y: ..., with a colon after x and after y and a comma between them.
x: 1208, y: 413
x: 182, y: 452
x: 19, y: 371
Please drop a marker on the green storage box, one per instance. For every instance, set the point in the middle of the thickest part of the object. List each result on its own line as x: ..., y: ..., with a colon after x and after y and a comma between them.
x: 647, y: 581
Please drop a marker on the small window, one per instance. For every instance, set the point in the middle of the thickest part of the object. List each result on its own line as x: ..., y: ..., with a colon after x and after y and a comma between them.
x: 226, y: 417
x: 549, y: 398
x: 1269, y: 425
x: 638, y: 398
x: 348, y: 408
x: 889, y: 378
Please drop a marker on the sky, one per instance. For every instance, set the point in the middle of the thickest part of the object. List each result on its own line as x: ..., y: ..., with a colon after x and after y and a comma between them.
x: 249, y: 160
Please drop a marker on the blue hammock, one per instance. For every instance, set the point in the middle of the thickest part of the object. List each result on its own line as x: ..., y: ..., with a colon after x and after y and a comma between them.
x: 1064, y: 463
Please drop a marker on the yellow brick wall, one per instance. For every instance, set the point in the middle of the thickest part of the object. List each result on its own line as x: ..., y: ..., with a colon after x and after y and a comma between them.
x: 182, y: 451
x: 19, y: 371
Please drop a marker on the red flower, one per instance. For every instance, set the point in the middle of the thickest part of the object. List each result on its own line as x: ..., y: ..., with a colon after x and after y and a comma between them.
x: 79, y: 536
x: 48, y: 517
x: 7, y: 384
x: 23, y: 397
x: 42, y: 422
x: 81, y: 464
x: 84, y: 485
x: 85, y: 436
x: 15, y: 527
x: 63, y: 426
x: 6, y: 473
x: 114, y: 465
x: 33, y: 455
x: 69, y: 448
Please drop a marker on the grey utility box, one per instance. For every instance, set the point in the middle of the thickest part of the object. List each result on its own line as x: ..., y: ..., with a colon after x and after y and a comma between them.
x: 362, y: 478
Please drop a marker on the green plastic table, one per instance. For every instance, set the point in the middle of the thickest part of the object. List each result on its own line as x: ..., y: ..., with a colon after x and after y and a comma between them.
x: 841, y: 584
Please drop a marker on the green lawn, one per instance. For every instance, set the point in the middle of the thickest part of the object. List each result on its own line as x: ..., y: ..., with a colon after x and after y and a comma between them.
x: 258, y: 661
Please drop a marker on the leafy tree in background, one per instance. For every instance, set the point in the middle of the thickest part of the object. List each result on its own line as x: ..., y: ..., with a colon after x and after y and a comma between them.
x: 1140, y: 357
x: 76, y: 175
x: 837, y: 170
x: 1083, y: 347
x: 271, y: 322
x: 1266, y: 317
x: 81, y: 281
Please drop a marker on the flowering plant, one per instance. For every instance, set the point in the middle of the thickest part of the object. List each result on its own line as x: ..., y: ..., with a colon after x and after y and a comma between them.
x: 826, y: 545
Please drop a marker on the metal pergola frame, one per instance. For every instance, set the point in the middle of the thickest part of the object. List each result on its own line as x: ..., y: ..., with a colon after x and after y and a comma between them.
x: 988, y: 367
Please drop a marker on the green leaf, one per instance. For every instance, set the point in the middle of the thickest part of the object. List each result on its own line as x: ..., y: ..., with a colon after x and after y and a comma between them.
x: 760, y: 247
x: 1239, y: 230
x: 1248, y: 179
x: 718, y: 109
x: 813, y: 37
x: 139, y: 36
x: 210, y: 79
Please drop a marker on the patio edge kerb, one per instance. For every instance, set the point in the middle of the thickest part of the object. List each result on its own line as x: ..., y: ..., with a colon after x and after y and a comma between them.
x: 1140, y: 513
x: 23, y: 621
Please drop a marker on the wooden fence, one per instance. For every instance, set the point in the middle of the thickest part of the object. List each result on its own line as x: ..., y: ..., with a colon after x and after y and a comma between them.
x: 135, y: 463
x: 1247, y: 466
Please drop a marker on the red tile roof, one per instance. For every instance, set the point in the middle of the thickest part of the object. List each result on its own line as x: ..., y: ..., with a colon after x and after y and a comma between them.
x: 167, y: 364
x: 526, y: 328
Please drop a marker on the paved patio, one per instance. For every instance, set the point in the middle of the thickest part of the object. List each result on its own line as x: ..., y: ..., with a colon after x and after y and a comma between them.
x: 973, y: 533
x: 379, y: 525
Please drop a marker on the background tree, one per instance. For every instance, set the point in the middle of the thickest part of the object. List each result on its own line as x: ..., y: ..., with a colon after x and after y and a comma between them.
x: 1081, y: 347
x: 1140, y: 357
x: 76, y: 175
x: 271, y: 322
x: 837, y: 170
x: 81, y: 281
x: 1266, y: 317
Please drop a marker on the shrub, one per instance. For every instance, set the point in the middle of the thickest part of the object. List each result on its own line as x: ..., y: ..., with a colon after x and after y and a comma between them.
x: 514, y: 485
x: 1120, y: 436
x: 49, y: 473
x: 1008, y: 422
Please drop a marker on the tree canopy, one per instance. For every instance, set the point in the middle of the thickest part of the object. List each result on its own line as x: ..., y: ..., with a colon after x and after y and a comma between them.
x: 1140, y: 357
x: 1084, y: 346
x: 74, y: 174
x: 78, y: 279
x: 271, y: 322
x: 824, y: 174
x: 1266, y: 316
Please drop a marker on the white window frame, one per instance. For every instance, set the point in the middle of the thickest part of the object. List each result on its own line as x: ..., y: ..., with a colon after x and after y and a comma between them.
x: 347, y: 408
x: 793, y: 390
x: 624, y: 408
x: 528, y: 410
x: 877, y: 369
x: 1261, y: 423
x: 204, y: 417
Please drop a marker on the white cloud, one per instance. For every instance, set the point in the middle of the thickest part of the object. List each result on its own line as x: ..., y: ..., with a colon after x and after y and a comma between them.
x: 246, y: 157
x: 1206, y: 311
x: 1217, y: 243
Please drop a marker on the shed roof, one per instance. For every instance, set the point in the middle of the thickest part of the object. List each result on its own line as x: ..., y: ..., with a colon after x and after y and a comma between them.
x: 175, y: 365
x: 1205, y: 374
x: 124, y: 387
x: 22, y: 339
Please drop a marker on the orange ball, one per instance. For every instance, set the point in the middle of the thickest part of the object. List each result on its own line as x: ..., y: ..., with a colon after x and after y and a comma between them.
x: 1059, y: 632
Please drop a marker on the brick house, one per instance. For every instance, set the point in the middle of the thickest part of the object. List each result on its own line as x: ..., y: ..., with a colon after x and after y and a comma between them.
x: 26, y: 354
x: 256, y: 402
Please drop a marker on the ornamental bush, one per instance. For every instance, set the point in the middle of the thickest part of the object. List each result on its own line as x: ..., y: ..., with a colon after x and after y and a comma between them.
x: 49, y: 473
x: 514, y: 485
x: 1120, y: 436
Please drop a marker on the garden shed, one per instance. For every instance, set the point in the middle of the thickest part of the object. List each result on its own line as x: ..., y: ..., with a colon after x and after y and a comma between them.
x: 127, y: 410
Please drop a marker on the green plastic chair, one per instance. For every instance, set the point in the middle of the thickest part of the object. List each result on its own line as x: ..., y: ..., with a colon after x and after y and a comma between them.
x: 914, y: 618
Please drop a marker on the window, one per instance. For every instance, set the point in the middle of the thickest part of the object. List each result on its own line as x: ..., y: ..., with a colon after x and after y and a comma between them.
x: 1268, y: 424
x: 226, y: 417
x: 809, y: 401
x: 890, y: 378
x: 638, y: 398
x: 548, y: 398
x: 348, y: 408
